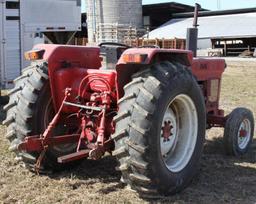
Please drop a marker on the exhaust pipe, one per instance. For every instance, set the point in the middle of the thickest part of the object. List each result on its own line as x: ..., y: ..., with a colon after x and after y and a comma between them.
x: 192, y: 33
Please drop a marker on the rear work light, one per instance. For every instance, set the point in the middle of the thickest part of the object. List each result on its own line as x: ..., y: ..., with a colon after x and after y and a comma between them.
x: 135, y: 58
x: 34, y: 55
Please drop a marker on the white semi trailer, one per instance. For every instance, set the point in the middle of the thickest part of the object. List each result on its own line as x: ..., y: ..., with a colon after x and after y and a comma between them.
x: 24, y: 23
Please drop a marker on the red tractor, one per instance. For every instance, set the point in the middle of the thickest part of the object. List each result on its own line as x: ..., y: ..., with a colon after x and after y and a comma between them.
x: 148, y: 107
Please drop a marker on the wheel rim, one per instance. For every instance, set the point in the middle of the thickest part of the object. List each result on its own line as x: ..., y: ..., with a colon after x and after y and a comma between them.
x: 244, y: 134
x: 179, y: 133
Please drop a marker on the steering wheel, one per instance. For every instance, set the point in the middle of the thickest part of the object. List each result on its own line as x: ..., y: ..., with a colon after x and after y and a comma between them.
x: 114, y: 43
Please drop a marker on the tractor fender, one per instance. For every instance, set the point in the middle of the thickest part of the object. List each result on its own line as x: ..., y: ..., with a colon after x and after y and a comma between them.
x: 126, y: 70
x: 55, y: 55
x: 156, y: 54
x: 61, y: 57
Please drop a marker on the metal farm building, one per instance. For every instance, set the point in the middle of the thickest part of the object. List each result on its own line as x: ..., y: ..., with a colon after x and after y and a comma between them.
x: 24, y: 23
x: 232, y: 31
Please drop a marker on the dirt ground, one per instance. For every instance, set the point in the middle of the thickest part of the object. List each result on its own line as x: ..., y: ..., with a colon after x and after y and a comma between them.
x: 222, y: 179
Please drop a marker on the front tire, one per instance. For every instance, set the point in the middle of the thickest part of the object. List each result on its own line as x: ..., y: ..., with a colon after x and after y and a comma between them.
x: 165, y: 91
x: 238, y: 133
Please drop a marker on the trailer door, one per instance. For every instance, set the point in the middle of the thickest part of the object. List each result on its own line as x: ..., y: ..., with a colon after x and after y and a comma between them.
x: 12, y: 62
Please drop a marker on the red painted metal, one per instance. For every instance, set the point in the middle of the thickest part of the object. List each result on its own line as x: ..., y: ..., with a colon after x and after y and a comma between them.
x: 74, y: 156
x: 43, y: 141
x: 242, y: 133
x: 61, y: 57
x: 76, y: 79
x: 151, y: 53
x: 48, y: 132
x: 80, y: 87
x: 216, y: 121
x: 167, y: 130
x: 35, y: 143
x: 207, y: 69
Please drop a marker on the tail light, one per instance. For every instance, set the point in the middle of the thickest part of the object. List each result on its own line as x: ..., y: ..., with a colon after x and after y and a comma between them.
x: 34, y: 55
x: 134, y: 58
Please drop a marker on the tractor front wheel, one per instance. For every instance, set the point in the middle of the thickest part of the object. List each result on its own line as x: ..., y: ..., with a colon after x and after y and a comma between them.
x: 160, y: 129
x: 238, y: 133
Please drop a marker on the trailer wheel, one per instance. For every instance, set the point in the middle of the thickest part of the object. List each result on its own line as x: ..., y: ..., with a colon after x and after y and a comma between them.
x: 29, y: 112
x: 238, y: 133
x: 160, y: 129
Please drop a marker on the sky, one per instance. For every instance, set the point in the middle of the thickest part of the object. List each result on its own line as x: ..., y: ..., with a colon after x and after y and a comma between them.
x: 207, y: 4
x: 212, y: 4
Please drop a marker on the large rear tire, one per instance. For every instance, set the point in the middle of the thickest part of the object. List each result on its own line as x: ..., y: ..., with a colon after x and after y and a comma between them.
x: 11, y: 107
x: 160, y: 129
x: 29, y: 112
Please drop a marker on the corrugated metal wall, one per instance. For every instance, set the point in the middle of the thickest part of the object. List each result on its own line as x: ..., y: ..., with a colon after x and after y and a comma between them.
x: 22, y: 21
x: 1, y: 42
x: 10, y: 42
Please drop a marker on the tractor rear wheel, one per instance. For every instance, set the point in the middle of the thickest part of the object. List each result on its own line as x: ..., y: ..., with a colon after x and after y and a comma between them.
x: 29, y: 112
x: 11, y: 107
x: 160, y: 129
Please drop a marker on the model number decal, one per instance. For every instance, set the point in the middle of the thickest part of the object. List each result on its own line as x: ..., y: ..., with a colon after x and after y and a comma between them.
x: 203, y: 66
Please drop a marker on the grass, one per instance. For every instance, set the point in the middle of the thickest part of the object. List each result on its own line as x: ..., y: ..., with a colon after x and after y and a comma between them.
x: 221, y: 179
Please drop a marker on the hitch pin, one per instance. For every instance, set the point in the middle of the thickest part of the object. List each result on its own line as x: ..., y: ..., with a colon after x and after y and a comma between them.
x: 83, y: 107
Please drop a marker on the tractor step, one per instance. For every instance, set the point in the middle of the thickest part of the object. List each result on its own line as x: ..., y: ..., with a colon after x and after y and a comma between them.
x: 74, y: 156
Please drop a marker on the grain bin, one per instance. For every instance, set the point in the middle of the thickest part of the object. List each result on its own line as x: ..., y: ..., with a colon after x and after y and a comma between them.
x: 108, y: 17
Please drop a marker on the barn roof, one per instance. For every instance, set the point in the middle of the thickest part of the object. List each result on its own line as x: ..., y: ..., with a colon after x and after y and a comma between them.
x: 224, y: 26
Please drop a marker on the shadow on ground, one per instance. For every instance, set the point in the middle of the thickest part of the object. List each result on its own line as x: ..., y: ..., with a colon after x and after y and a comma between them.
x: 91, y: 172
x: 4, y: 100
x: 2, y: 114
x: 222, y: 178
